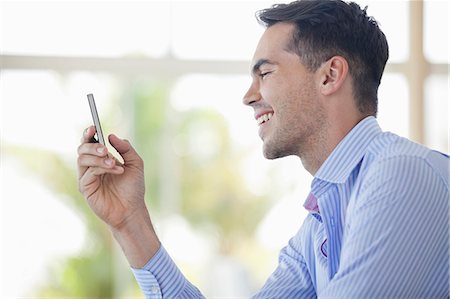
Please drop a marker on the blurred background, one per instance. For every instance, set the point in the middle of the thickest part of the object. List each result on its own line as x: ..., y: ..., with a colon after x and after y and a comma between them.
x: 169, y: 76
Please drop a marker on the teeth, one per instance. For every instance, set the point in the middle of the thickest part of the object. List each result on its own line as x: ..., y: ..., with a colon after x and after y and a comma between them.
x: 264, y: 118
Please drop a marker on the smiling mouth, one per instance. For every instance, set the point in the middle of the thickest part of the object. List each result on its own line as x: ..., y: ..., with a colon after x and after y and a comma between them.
x: 264, y: 118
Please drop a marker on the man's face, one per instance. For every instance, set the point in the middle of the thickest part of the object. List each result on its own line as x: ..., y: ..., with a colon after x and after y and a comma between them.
x: 284, y: 97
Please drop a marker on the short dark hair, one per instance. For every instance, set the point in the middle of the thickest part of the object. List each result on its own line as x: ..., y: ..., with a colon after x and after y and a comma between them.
x: 324, y: 29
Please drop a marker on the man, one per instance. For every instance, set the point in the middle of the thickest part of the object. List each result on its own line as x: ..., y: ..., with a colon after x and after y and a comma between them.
x: 378, y: 222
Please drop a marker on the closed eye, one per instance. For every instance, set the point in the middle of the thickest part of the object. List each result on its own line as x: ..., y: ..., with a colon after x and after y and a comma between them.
x: 262, y: 75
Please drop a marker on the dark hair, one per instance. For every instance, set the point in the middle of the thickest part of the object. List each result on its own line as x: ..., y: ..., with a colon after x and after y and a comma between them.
x: 328, y: 28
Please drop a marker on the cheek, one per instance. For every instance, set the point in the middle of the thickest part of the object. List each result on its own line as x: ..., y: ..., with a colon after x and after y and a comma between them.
x: 274, y: 92
x: 289, y: 98
x: 298, y: 104
x: 269, y: 93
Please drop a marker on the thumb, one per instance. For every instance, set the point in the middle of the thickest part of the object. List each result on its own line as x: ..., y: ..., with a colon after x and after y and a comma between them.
x: 124, y: 148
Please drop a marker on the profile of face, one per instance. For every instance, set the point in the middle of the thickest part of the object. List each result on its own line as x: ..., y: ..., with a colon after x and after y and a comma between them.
x: 284, y: 96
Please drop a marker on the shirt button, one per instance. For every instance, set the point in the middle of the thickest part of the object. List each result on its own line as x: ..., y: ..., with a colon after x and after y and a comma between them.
x: 155, y: 290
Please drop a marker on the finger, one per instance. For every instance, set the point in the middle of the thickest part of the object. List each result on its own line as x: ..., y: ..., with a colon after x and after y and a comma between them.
x: 88, y: 134
x: 93, y: 173
x: 98, y: 171
x: 94, y: 161
x: 118, y: 162
x: 91, y: 149
x: 98, y: 166
x: 94, y: 149
x: 124, y: 148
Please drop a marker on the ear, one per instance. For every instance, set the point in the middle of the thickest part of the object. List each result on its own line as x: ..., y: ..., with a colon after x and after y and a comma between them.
x: 332, y: 74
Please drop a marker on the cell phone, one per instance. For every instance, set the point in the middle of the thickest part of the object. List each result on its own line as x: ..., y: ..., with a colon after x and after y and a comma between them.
x: 96, y: 119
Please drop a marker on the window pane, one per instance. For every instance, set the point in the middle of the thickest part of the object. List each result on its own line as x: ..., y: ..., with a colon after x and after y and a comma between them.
x: 216, y: 29
x: 284, y: 181
x: 201, y: 91
x: 222, y: 39
x: 393, y: 19
x: 33, y: 217
x: 51, y: 112
x: 84, y: 28
x: 393, y: 104
x: 436, y: 31
x: 436, y: 112
x: 42, y: 117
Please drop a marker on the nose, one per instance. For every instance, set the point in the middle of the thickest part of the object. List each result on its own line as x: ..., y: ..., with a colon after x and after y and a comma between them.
x: 252, y: 95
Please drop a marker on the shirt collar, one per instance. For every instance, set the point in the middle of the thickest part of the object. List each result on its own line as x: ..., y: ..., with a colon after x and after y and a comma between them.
x: 311, y: 204
x: 349, y: 152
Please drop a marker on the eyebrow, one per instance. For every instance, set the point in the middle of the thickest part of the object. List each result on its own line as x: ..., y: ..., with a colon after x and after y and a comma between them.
x: 259, y: 63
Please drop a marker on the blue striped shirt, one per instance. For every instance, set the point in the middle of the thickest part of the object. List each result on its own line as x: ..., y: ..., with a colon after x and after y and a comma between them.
x: 379, y: 228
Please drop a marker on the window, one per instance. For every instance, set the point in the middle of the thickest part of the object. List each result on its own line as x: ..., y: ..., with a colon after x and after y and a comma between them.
x: 162, y: 71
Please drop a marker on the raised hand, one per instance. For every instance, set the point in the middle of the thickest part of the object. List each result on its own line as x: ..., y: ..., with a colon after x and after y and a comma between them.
x: 114, y: 191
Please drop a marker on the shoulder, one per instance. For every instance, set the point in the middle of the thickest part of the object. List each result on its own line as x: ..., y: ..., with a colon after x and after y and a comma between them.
x: 391, y: 155
x: 397, y: 168
x: 388, y: 145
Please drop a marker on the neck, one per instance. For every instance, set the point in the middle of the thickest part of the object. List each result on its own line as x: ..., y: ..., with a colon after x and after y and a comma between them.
x: 326, y: 141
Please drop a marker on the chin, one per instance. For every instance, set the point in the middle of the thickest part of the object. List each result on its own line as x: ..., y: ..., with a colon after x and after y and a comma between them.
x: 269, y: 157
x: 272, y: 153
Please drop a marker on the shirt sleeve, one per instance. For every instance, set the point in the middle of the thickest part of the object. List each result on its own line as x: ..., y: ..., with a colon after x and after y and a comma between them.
x: 291, y: 278
x: 161, y: 278
x: 396, y: 239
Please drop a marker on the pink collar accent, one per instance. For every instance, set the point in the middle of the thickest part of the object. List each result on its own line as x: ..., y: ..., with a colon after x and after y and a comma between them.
x: 311, y: 204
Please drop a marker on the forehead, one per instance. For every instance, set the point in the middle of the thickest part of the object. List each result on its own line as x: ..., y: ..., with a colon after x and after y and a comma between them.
x: 273, y: 41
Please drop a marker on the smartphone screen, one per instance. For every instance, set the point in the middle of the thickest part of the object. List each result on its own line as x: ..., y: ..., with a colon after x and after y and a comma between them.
x: 95, y: 118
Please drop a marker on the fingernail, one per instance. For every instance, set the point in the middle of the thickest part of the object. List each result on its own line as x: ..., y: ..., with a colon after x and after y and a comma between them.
x: 108, y: 161
x: 100, y: 150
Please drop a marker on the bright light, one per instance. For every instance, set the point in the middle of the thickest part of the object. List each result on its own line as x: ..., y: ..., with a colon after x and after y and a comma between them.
x: 46, y: 110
